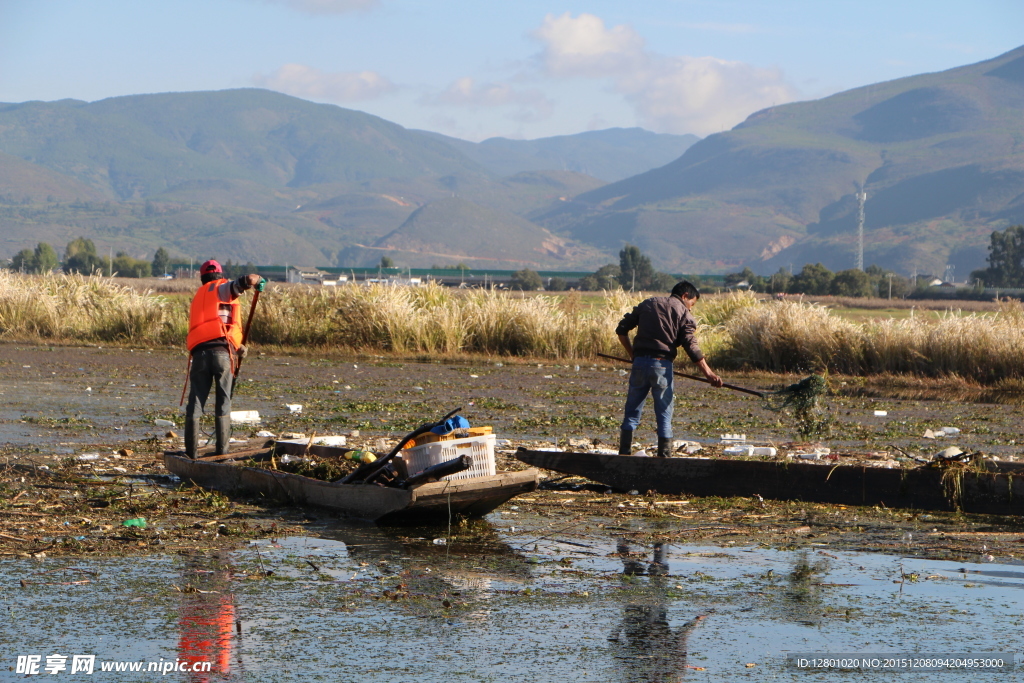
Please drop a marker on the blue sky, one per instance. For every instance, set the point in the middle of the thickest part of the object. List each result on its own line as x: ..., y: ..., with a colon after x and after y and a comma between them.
x: 523, y: 68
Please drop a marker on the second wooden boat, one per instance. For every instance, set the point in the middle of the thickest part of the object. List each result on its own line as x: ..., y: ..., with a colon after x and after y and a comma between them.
x: 999, y: 491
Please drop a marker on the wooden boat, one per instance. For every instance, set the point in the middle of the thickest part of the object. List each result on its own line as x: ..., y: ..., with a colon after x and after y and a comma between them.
x: 386, y: 505
x: 1000, y: 490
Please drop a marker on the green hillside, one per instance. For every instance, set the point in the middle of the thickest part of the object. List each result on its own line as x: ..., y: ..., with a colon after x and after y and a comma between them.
x: 132, y: 147
x: 941, y: 157
x: 243, y: 174
x: 255, y: 175
x: 454, y: 230
x: 611, y: 154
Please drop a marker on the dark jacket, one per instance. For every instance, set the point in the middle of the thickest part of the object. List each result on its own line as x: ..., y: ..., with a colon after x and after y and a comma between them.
x: 663, y: 324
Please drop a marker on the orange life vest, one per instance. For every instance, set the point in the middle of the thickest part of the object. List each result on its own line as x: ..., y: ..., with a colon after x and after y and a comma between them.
x: 204, y: 318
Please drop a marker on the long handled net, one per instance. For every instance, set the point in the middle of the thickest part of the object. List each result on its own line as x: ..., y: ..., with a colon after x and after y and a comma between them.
x: 802, y: 400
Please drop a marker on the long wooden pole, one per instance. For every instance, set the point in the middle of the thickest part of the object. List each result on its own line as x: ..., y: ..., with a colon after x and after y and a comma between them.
x: 245, y: 337
x: 759, y: 394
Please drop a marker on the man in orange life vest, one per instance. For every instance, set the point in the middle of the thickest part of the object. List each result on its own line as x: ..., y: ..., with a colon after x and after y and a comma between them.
x: 214, y: 341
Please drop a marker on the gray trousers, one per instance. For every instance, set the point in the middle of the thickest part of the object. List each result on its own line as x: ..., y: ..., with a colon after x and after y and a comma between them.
x: 211, y: 368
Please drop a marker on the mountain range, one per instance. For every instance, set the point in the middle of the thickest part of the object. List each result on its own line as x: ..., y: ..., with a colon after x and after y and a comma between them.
x: 254, y: 175
x: 940, y: 157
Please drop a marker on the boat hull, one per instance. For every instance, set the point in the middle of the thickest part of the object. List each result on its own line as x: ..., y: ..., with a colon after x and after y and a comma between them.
x: 426, y: 503
x: 923, y: 488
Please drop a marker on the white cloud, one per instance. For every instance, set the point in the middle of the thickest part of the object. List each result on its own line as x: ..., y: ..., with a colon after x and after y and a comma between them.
x: 343, y: 86
x: 532, y: 104
x: 700, y: 95
x: 327, y: 6
x: 584, y: 47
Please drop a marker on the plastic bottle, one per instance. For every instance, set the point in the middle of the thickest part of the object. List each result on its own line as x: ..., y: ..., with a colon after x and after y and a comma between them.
x: 361, y: 456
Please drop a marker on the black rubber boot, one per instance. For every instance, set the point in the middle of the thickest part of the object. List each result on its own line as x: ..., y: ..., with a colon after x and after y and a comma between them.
x: 191, y: 437
x: 664, y: 447
x: 626, y: 442
x: 223, y: 434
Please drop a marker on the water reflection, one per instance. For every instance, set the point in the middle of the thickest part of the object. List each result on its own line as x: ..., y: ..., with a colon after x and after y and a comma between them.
x: 206, y: 622
x: 646, y: 646
x: 801, y: 599
x: 466, y: 571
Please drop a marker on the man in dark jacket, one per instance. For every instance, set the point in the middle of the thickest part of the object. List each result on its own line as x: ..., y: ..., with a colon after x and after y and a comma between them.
x: 663, y: 324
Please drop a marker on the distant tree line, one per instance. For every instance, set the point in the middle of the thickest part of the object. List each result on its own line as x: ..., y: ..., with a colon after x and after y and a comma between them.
x: 80, y: 257
x: 634, y: 273
x: 1005, y: 260
x: 816, y: 279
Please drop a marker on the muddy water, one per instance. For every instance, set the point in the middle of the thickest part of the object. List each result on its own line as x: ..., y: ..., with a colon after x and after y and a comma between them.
x: 503, y: 603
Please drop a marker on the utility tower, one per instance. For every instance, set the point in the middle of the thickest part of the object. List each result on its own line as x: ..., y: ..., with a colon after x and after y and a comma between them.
x: 862, y: 197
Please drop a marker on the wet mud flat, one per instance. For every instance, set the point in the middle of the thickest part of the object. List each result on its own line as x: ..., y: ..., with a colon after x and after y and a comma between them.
x: 83, y: 451
x: 572, y: 582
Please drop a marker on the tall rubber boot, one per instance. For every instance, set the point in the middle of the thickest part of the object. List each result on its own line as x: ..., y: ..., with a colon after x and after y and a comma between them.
x: 664, y: 447
x: 626, y: 442
x: 223, y: 434
x: 191, y: 437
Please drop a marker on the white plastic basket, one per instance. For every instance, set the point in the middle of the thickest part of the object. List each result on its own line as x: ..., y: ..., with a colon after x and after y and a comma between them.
x: 479, y: 448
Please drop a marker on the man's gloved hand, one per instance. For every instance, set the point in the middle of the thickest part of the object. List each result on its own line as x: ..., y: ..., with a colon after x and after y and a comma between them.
x: 262, y: 285
x: 253, y: 279
x: 243, y: 351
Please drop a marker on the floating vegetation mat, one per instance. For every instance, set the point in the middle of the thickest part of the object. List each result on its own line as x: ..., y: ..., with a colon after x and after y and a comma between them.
x: 803, y: 400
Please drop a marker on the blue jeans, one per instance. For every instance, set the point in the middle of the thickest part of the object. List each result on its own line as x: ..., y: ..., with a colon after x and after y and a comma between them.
x: 650, y: 376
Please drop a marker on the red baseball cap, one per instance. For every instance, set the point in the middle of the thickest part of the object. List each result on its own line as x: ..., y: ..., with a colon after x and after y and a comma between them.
x: 210, y: 266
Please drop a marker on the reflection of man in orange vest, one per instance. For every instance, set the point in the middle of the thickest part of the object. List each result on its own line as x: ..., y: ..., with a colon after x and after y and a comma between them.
x: 214, y: 339
x: 206, y: 619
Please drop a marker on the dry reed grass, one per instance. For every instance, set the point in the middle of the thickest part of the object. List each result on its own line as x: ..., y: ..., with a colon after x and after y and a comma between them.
x: 80, y: 308
x: 738, y: 330
x: 803, y: 337
x: 439, y: 321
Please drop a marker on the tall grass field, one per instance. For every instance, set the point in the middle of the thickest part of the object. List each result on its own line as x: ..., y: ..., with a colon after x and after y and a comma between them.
x: 737, y: 330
